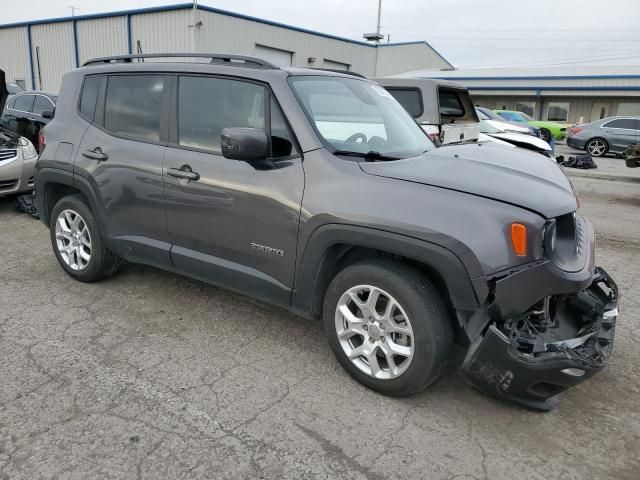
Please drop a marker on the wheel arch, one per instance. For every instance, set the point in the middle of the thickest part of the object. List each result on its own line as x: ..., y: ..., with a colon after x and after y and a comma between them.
x: 332, y: 248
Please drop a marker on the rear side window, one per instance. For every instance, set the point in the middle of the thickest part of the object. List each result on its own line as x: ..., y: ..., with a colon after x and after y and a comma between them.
x: 409, y: 98
x: 450, y: 104
x: 89, y: 97
x: 133, y: 106
x: 208, y: 105
x: 42, y: 104
x: 24, y: 103
x: 621, y: 123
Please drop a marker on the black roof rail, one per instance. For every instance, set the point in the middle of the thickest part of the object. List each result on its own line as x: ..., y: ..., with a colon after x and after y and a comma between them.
x: 214, y: 57
x: 337, y: 70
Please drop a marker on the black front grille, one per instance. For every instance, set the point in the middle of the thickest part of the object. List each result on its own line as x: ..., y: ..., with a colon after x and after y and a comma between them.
x: 7, y: 154
x: 8, y: 184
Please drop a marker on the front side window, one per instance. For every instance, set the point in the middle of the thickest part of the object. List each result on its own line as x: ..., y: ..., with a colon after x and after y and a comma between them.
x: 527, y: 108
x: 409, y: 98
x: 208, y: 105
x: 558, y: 111
x: 282, y: 144
x: 357, y: 116
x: 42, y: 104
x: 24, y: 103
x: 133, y: 106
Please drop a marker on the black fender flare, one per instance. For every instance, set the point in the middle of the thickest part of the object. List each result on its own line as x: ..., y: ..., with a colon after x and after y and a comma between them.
x: 463, y: 292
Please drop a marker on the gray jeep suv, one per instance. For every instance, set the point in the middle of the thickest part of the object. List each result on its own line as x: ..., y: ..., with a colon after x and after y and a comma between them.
x: 317, y: 191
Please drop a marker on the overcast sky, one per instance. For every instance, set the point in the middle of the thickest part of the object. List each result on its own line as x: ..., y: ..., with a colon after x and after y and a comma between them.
x: 468, y: 33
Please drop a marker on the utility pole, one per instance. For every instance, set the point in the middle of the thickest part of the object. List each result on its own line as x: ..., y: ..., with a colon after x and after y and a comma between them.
x: 73, y: 10
x: 376, y: 37
x: 379, y: 14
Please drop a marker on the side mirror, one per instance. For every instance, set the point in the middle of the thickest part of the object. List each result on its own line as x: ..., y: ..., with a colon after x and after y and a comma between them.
x: 249, y: 144
x: 48, y: 114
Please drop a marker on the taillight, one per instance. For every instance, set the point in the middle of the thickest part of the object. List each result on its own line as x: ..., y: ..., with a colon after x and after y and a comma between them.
x: 575, y: 130
x: 41, y: 141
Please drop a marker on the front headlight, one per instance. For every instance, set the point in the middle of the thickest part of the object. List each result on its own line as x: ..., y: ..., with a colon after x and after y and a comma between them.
x: 28, y: 150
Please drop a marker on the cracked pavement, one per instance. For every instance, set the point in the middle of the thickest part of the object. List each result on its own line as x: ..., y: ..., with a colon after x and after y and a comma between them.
x: 151, y: 375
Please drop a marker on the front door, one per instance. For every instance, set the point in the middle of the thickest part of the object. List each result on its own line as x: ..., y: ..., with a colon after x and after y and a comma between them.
x: 620, y: 133
x: 232, y: 223
x: 120, y: 159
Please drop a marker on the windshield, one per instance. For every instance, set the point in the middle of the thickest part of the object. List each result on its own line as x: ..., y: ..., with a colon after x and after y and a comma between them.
x: 526, y: 117
x: 353, y: 115
x: 487, y: 128
x: 487, y: 112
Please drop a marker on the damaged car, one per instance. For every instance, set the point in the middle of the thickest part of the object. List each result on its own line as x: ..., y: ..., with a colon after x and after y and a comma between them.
x: 17, y: 156
x: 317, y: 191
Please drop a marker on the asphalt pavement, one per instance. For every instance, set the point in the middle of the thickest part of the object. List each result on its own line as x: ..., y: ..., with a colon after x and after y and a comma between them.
x: 150, y: 375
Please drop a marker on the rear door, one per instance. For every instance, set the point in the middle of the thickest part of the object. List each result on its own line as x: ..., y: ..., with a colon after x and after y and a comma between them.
x: 236, y: 225
x: 120, y: 160
x: 620, y: 133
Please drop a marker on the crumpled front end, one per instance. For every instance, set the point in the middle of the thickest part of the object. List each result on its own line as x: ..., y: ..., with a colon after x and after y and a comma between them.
x: 532, y: 357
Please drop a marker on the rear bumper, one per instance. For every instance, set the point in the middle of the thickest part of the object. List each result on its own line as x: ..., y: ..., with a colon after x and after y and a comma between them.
x: 531, y: 363
x: 576, y: 143
x: 16, y: 176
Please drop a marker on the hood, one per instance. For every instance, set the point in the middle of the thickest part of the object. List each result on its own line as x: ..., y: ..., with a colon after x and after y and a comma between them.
x: 520, y: 139
x: 512, y: 175
x: 504, y: 126
x: 4, y: 93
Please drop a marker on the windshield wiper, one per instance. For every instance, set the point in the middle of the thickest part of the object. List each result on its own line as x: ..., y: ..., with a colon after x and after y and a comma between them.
x: 369, y: 156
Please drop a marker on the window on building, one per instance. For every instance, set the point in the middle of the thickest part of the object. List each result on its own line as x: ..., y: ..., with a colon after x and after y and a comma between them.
x: 629, y: 109
x: 24, y: 103
x: 42, y: 104
x: 526, y: 107
x: 208, y: 105
x: 89, y: 97
x: 558, y: 111
x: 133, y: 106
x: 409, y: 98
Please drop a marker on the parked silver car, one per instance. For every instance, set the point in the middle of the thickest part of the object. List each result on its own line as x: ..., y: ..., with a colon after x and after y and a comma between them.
x: 607, y: 135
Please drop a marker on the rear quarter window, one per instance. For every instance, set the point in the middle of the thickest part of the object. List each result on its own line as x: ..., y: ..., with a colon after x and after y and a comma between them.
x: 89, y: 97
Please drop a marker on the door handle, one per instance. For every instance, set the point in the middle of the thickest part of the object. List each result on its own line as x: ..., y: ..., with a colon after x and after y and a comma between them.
x: 184, y: 172
x: 95, y: 154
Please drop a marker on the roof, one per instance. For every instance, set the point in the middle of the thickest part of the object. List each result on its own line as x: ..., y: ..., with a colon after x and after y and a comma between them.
x: 184, y: 6
x: 559, y: 80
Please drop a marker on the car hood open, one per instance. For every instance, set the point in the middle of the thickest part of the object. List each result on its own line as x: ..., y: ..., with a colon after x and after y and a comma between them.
x: 512, y: 175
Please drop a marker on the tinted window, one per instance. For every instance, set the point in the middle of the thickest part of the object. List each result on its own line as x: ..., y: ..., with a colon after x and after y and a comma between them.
x: 409, y: 98
x: 450, y: 104
x: 133, y: 106
x: 24, y: 103
x: 42, y: 104
x: 12, y: 88
x: 282, y: 144
x: 89, y: 97
x: 558, y: 111
x: 208, y: 105
x: 621, y: 123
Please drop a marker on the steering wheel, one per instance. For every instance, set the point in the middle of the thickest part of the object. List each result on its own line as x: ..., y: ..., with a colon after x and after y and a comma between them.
x: 353, y: 138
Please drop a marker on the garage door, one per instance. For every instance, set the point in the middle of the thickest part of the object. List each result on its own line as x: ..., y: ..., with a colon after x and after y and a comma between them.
x: 281, y: 58
x: 334, y: 65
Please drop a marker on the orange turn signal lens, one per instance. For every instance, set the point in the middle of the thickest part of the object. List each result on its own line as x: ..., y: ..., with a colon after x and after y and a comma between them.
x: 519, y: 239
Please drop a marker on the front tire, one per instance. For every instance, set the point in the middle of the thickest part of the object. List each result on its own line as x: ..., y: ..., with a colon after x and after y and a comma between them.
x: 597, y: 147
x: 545, y: 134
x: 388, y: 326
x: 77, y: 242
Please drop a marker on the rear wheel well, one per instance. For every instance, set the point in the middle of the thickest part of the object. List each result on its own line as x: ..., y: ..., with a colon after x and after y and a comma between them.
x: 53, y: 192
x: 340, y: 256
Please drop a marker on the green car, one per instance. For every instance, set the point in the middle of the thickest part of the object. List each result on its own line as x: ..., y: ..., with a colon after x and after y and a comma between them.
x: 547, y: 129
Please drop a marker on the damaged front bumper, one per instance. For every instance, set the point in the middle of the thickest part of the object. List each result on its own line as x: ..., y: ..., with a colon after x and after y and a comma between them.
x: 563, y: 340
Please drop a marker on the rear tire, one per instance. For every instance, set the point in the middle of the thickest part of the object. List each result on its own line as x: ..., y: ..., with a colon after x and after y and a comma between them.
x: 397, y: 353
x: 77, y: 243
x: 597, y: 147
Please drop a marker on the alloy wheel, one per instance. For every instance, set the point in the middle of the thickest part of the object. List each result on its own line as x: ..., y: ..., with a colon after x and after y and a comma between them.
x: 374, y: 332
x: 73, y: 240
x: 597, y: 148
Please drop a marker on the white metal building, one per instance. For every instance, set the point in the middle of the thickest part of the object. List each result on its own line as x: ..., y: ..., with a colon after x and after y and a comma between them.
x: 575, y: 94
x: 36, y: 54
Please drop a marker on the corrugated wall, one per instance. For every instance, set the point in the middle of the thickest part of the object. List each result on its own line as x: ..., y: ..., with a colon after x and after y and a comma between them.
x: 14, y: 56
x: 222, y: 33
x: 55, y: 44
x: 101, y: 37
x: 163, y: 32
